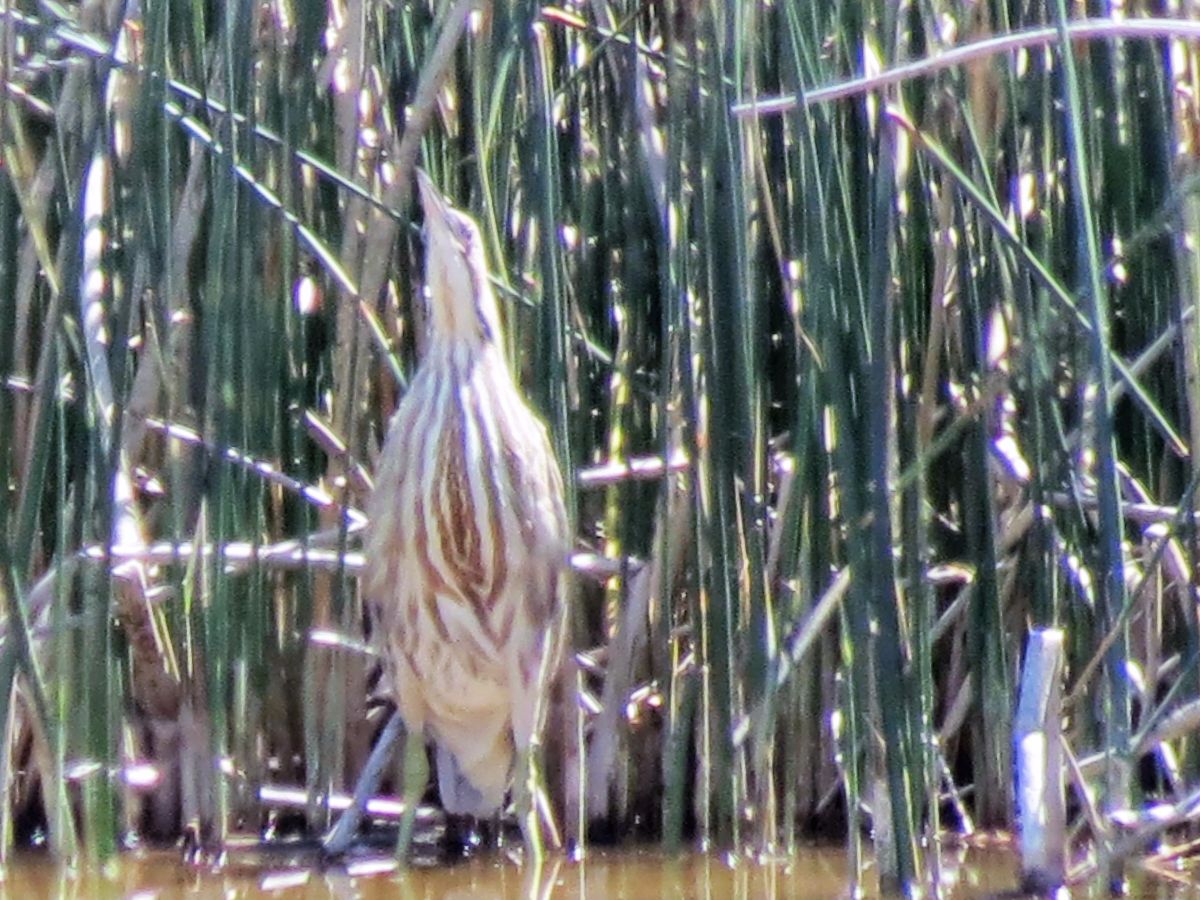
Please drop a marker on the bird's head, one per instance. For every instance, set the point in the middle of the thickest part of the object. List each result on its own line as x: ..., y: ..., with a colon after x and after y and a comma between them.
x: 461, y: 303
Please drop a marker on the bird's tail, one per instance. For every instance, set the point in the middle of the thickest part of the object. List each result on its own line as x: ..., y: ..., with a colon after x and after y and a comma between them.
x: 473, y: 768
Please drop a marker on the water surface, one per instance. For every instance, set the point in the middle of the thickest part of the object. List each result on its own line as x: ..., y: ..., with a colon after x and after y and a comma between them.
x: 810, y: 872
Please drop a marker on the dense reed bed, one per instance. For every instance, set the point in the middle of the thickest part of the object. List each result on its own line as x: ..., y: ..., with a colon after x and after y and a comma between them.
x: 852, y: 390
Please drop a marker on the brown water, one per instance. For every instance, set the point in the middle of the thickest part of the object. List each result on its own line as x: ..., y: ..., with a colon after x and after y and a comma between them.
x: 808, y: 873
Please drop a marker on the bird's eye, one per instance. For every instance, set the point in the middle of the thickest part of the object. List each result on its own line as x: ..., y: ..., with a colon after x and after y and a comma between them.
x: 464, y: 231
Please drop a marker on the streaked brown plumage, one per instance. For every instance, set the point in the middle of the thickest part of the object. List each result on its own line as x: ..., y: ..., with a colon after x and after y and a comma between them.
x: 466, y: 549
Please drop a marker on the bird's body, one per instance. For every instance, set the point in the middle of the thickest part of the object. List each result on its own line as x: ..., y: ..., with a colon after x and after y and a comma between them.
x: 466, y: 549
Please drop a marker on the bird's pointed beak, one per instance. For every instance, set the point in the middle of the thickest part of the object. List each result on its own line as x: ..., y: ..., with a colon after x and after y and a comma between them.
x: 456, y: 275
x: 432, y: 201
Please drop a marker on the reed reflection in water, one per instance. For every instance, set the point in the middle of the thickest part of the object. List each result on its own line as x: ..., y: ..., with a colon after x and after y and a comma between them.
x: 808, y: 872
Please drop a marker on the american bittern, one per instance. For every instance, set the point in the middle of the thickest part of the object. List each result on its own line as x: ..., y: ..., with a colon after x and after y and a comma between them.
x: 466, y: 549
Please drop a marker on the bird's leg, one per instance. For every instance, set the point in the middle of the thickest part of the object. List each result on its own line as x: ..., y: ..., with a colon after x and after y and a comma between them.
x: 529, y: 797
x: 546, y: 813
x: 338, y: 840
x: 524, y: 799
x: 533, y: 807
x: 415, y: 777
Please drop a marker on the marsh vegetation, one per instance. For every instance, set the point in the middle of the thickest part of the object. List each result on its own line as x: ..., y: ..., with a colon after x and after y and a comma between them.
x: 852, y: 391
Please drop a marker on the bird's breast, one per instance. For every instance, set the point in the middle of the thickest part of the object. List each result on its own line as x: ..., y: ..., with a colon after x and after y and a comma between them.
x: 455, y: 523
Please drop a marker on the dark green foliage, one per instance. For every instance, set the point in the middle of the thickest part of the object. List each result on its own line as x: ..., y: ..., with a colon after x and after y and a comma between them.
x: 914, y: 355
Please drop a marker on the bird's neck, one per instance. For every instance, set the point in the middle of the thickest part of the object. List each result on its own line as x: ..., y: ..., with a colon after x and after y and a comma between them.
x: 466, y: 355
x: 459, y: 313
